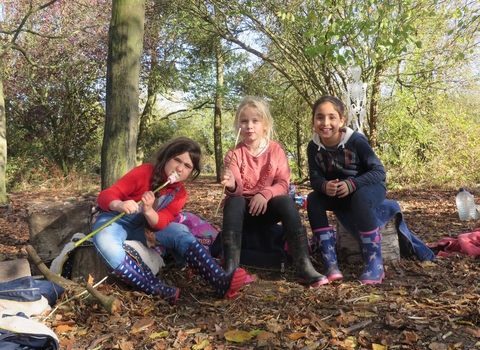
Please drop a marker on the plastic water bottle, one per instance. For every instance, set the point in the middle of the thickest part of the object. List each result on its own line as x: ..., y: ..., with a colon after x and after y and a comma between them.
x: 466, y: 205
x: 292, y: 190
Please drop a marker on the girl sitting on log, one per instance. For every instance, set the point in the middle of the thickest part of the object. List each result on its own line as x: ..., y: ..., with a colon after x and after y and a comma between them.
x: 173, y: 162
x: 345, y: 175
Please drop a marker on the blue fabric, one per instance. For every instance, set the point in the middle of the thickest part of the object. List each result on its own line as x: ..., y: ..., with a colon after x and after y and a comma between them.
x: 26, y: 341
x: 410, y: 245
x: 27, y: 289
x: 51, y: 291
x: 22, y: 289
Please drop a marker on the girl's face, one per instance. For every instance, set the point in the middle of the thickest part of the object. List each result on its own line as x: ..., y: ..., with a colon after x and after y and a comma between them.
x: 181, y: 164
x: 326, y: 123
x: 251, y: 124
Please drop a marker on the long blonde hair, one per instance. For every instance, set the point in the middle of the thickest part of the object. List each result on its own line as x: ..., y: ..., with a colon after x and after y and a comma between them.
x: 262, y: 107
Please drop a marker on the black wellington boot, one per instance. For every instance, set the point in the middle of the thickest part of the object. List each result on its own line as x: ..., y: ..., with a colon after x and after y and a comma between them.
x: 306, y: 273
x: 232, y: 246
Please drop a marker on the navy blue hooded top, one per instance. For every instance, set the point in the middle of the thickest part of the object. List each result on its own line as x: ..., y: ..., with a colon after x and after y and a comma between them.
x: 352, y: 160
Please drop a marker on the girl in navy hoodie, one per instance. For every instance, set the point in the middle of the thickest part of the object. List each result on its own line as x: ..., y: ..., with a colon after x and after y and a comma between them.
x: 345, y: 175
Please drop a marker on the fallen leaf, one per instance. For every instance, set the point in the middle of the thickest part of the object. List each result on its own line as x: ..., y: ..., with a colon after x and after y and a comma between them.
x: 237, y: 336
x: 265, y: 335
x: 142, y: 324
x: 398, y: 292
x: 351, y: 342
x: 473, y: 331
x: 411, y: 337
x: 163, y: 334
x: 63, y: 328
x: 193, y: 331
x: 201, y: 346
x: 295, y: 336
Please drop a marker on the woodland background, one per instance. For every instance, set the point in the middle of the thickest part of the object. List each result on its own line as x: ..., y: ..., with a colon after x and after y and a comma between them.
x: 70, y: 107
x: 88, y: 88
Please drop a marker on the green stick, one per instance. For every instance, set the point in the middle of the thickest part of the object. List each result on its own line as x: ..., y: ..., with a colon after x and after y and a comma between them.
x: 115, y: 218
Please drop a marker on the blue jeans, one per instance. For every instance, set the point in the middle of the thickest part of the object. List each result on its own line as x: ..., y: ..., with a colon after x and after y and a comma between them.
x: 361, y: 203
x: 109, y: 241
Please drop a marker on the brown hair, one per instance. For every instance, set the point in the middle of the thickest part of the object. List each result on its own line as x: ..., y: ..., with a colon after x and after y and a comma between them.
x: 171, y: 149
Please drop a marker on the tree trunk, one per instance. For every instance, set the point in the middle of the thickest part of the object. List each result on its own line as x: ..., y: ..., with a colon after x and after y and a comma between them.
x: 147, y: 114
x: 125, y: 45
x: 3, y: 141
x: 217, y: 123
x: 372, y: 119
x: 298, y: 142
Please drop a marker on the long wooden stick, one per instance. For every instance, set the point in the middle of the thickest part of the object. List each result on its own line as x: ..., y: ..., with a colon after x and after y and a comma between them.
x: 79, y: 242
x: 229, y: 164
x: 110, y: 304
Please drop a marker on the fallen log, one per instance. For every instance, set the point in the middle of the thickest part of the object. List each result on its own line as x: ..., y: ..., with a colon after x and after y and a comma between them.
x: 110, y: 304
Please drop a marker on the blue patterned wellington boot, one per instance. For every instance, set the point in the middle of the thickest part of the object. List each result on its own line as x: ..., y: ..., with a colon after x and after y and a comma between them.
x: 141, y: 277
x: 372, y: 256
x: 225, y: 285
x: 325, y: 238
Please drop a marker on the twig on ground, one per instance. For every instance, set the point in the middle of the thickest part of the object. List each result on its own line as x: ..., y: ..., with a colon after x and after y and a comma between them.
x: 110, y: 304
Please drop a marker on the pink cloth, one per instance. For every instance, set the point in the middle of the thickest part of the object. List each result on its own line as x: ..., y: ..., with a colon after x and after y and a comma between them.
x: 466, y: 243
x: 267, y: 174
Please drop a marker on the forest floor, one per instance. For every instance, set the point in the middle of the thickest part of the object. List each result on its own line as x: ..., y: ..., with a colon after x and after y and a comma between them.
x: 420, y: 305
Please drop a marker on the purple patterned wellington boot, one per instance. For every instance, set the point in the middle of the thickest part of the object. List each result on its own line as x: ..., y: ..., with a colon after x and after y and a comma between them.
x: 325, y: 238
x: 372, y: 256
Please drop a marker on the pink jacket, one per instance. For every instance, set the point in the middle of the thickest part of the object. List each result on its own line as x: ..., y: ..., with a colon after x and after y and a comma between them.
x: 267, y: 174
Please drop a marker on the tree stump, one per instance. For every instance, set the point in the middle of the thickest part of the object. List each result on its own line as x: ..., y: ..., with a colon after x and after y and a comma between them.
x: 52, y: 224
x: 348, y: 247
x: 87, y: 261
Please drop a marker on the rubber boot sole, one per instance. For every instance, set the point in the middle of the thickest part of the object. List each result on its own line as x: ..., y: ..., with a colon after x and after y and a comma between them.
x: 238, y: 280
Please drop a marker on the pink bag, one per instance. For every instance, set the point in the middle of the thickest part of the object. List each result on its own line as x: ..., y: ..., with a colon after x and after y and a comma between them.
x: 200, y: 228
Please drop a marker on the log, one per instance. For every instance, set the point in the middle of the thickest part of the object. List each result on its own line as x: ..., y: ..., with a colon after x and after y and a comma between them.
x: 52, y: 224
x: 348, y: 248
x: 13, y: 269
x: 87, y: 262
x: 110, y: 304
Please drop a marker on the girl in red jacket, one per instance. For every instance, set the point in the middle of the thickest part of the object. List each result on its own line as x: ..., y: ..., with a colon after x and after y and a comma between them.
x: 175, y: 161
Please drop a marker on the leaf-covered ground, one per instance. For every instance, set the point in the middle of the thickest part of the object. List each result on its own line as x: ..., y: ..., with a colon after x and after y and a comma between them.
x: 421, y: 305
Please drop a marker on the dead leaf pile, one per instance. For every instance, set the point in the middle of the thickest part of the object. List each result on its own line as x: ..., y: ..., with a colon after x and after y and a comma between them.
x: 421, y: 305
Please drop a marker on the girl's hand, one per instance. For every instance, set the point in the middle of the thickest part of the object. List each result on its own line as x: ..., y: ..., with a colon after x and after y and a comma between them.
x: 342, y: 189
x: 148, y: 199
x: 258, y: 205
x: 228, y: 180
x: 331, y: 188
x: 127, y: 207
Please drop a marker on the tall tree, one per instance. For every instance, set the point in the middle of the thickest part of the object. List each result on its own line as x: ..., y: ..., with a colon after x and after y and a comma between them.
x: 313, y: 43
x: 125, y: 45
x: 29, y: 33
x: 217, y: 116
x: 9, y: 33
